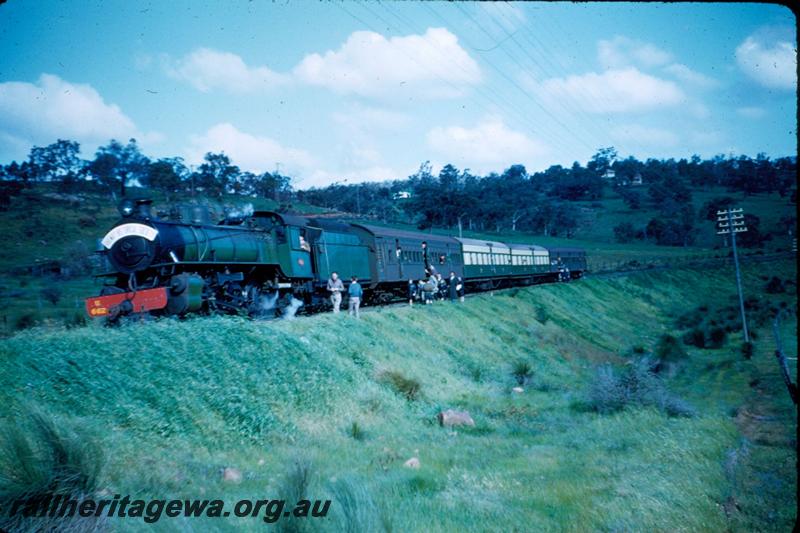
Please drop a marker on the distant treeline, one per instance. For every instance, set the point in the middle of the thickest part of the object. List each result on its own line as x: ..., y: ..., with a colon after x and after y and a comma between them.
x: 543, y: 202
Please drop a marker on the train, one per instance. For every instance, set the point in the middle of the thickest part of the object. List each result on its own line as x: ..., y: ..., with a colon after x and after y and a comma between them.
x: 269, y: 262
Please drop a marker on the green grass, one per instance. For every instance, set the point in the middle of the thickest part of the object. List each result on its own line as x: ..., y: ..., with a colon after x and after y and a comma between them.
x: 321, y: 405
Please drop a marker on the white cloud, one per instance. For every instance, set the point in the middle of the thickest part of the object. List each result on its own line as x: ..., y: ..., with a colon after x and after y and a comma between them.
x: 206, y: 69
x: 644, y: 136
x: 622, y: 52
x: 249, y: 152
x: 751, y: 112
x: 685, y: 74
x: 52, y: 108
x: 613, y: 91
x: 487, y: 146
x: 369, y: 64
x: 771, y: 63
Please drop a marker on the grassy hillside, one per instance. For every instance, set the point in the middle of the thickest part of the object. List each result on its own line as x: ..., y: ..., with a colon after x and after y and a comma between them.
x: 172, y: 403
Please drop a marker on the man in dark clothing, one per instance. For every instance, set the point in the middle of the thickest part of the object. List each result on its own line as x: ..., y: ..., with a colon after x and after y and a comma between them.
x: 452, y: 283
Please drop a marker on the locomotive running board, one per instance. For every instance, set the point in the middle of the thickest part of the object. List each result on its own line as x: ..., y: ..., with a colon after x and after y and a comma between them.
x: 141, y: 302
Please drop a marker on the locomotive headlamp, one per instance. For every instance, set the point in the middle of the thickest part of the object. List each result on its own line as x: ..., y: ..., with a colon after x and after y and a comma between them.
x: 126, y: 208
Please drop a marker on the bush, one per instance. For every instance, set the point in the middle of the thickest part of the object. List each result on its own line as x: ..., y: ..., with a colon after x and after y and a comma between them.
x: 638, y: 385
x: 695, y: 337
x: 541, y: 315
x: 716, y: 337
x: 606, y: 394
x: 747, y: 349
x: 407, y: 387
x: 356, y: 431
x: 775, y: 286
x: 522, y: 372
x: 624, y: 232
x: 669, y: 350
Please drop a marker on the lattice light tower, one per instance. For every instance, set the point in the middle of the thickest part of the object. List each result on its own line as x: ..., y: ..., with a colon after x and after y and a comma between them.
x: 730, y: 222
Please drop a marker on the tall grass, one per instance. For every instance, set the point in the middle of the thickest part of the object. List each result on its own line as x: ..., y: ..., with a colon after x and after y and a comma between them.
x: 40, y: 458
x: 177, y: 401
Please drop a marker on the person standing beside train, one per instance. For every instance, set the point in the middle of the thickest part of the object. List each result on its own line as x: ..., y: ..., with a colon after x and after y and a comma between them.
x: 412, y: 291
x: 355, y: 292
x: 452, y: 286
x: 335, y: 287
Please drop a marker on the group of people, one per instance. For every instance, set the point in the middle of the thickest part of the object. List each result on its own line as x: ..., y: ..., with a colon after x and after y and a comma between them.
x: 354, y: 293
x: 435, y: 287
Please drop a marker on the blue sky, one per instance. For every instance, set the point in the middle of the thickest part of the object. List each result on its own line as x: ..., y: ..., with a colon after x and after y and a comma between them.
x: 365, y: 91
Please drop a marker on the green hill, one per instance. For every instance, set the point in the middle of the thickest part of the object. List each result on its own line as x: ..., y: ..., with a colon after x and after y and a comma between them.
x: 709, y: 444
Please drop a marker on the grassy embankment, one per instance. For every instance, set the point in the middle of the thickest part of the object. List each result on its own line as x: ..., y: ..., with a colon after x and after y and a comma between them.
x: 171, y: 403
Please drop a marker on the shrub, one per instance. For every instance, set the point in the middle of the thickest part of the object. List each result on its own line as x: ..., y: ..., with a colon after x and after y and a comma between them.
x: 638, y: 385
x: 695, y: 337
x: 775, y: 286
x: 52, y: 293
x: 747, y: 349
x: 669, y: 350
x: 624, y: 232
x: 606, y: 394
x: 638, y: 349
x: 407, y: 387
x: 716, y: 337
x: 356, y: 431
x: 522, y: 371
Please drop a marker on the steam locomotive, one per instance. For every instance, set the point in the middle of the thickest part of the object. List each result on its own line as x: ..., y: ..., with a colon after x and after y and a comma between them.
x: 186, y: 263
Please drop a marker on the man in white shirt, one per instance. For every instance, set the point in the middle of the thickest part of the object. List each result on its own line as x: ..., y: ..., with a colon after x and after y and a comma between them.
x: 335, y: 287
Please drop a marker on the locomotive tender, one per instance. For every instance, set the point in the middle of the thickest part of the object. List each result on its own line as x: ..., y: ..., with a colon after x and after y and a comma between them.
x: 265, y: 260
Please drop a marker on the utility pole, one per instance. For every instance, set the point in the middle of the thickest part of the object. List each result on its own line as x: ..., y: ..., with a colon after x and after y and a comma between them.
x: 730, y: 222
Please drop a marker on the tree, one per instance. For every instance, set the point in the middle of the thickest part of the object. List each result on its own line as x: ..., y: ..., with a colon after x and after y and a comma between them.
x: 710, y: 208
x: 752, y: 238
x: 118, y: 164
x: 602, y: 161
x: 217, y: 173
x: 167, y: 175
x: 631, y: 198
x: 624, y: 232
x: 55, y: 161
